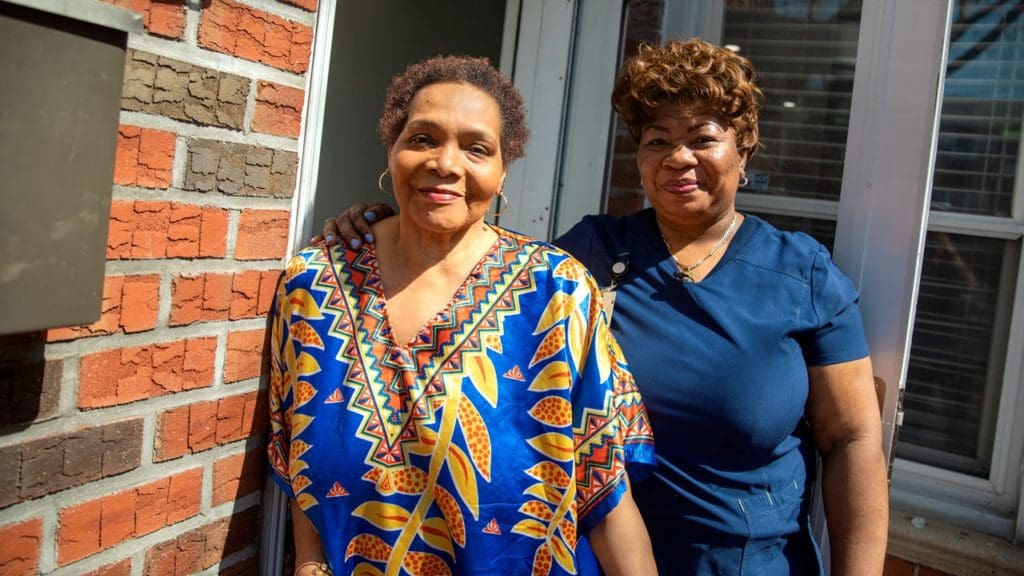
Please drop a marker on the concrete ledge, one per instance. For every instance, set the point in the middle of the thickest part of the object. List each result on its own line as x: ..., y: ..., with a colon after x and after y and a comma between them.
x: 952, y: 549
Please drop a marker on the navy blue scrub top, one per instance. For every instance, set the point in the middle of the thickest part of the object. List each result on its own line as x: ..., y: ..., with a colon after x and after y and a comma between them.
x: 722, y: 366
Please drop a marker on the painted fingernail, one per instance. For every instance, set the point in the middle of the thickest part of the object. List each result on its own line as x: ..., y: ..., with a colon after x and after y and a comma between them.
x: 368, y: 237
x: 370, y: 215
x: 354, y: 243
x: 329, y: 238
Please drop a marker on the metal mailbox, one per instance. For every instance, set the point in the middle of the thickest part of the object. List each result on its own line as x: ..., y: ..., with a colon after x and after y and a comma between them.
x: 61, y: 67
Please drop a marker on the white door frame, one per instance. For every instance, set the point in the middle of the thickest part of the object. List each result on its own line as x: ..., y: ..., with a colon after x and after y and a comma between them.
x: 540, y: 72
x: 537, y: 49
x: 300, y: 228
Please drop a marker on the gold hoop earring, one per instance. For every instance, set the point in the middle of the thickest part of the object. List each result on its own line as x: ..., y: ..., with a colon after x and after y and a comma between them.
x: 380, y: 181
x: 501, y: 198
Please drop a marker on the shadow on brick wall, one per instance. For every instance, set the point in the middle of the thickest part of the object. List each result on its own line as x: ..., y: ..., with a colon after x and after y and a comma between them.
x: 29, y: 384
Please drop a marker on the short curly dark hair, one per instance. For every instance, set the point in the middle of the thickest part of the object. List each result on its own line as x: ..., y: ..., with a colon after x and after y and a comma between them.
x: 694, y: 73
x: 475, y: 71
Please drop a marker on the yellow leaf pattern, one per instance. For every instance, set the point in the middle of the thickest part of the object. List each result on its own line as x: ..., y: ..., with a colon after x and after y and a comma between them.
x: 554, y: 312
x: 452, y: 515
x: 366, y: 569
x: 550, y: 473
x: 561, y: 553
x: 554, y: 445
x: 304, y: 305
x: 306, y: 365
x: 478, y: 439
x: 545, y: 492
x: 483, y: 376
x: 306, y: 501
x: 383, y: 515
x: 464, y: 475
x: 426, y: 417
x: 554, y: 376
x: 553, y: 411
x: 435, y: 533
x: 531, y: 528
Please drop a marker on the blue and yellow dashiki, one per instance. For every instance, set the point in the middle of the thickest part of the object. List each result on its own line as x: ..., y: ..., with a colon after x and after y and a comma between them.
x: 483, y: 445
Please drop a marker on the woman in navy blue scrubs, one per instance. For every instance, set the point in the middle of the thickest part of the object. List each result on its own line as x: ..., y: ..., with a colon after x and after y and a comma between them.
x: 745, y: 341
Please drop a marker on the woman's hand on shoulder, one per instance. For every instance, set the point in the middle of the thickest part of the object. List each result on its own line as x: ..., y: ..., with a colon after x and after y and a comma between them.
x: 353, y: 225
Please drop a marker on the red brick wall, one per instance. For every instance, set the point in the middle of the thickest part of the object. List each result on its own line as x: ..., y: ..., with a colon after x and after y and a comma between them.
x: 134, y: 445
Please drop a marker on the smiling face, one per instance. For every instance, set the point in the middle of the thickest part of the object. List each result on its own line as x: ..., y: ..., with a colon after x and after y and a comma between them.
x: 689, y: 164
x: 446, y: 164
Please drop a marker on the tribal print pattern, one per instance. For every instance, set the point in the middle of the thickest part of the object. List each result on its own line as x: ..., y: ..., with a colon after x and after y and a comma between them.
x: 506, y: 420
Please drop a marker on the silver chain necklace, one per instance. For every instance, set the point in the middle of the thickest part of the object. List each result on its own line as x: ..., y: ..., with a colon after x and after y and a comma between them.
x: 684, y: 269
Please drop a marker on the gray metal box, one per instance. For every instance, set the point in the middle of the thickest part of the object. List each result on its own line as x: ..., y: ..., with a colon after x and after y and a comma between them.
x: 61, y: 69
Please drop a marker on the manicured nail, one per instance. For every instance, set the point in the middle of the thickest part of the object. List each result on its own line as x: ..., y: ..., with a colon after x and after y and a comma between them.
x: 354, y: 243
x: 329, y: 239
x: 369, y: 238
x: 370, y: 215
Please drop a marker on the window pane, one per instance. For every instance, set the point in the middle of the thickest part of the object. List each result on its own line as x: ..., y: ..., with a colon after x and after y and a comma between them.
x: 804, y: 52
x: 983, y: 102
x: 957, y: 353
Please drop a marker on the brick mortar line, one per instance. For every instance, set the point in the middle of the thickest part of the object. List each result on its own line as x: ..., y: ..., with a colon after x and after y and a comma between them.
x: 138, y: 559
x: 286, y: 11
x: 140, y: 545
x: 218, y: 61
x: 206, y: 490
x: 193, y: 11
x: 158, y: 335
x: 68, y: 400
x: 213, y: 199
x: 180, y: 164
x: 251, y: 550
x: 131, y: 411
x: 149, y: 432
x: 188, y: 130
x: 227, y: 506
x: 231, y: 242
x: 220, y: 354
x: 165, y: 304
x: 222, y: 266
x: 52, y: 504
x: 250, y: 106
x: 48, y: 546
x: 47, y: 508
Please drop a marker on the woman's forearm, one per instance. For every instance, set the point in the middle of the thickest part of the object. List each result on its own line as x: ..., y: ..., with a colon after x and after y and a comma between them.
x: 855, y: 491
x: 309, y: 555
x: 621, y: 543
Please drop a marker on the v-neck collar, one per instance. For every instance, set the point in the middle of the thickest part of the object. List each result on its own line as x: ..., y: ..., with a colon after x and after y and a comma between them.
x: 652, y: 235
x: 440, y: 330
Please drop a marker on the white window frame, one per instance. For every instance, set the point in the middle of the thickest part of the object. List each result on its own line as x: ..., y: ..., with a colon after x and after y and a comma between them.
x: 882, y: 219
x: 990, y: 505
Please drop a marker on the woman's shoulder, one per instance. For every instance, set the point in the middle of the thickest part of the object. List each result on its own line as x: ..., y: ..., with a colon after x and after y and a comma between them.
x: 312, y: 259
x: 563, y: 264
x: 789, y: 252
x: 603, y: 229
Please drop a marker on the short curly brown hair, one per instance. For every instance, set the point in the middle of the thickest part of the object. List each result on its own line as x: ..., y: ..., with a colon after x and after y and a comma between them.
x: 694, y: 73
x: 475, y: 71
